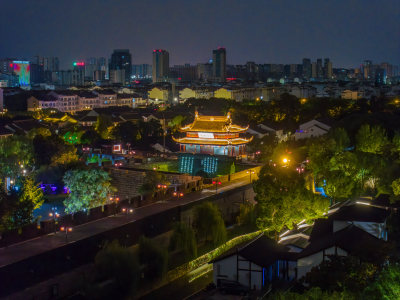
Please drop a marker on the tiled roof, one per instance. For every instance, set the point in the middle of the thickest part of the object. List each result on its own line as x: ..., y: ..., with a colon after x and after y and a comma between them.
x: 213, y: 124
x: 220, y: 142
x: 351, y: 239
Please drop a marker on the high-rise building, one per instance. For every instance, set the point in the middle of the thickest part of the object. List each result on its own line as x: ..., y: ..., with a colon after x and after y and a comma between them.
x: 314, y: 70
x: 219, y: 64
x: 184, y: 72
x: 204, y: 71
x: 1, y: 99
x: 306, y: 68
x: 160, y: 65
x: 327, y: 68
x: 320, y: 71
x: 380, y: 76
x: 143, y: 71
x: 367, y: 70
x: 121, y: 59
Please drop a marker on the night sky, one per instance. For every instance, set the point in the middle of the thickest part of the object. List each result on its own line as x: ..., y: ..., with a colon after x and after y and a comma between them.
x: 264, y: 31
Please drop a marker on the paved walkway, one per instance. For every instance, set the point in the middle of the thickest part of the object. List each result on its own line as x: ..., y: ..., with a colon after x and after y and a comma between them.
x: 26, y: 249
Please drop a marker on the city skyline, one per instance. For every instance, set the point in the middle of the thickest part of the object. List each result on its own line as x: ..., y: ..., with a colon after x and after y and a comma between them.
x: 260, y: 32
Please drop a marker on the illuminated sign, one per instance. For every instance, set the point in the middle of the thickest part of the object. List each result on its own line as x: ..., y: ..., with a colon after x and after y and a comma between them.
x: 206, y: 135
x: 78, y: 64
x: 117, y: 148
x: 23, y: 70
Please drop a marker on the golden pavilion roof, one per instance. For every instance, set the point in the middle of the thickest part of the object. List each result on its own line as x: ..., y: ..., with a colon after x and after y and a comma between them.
x: 216, y: 142
x: 213, y: 124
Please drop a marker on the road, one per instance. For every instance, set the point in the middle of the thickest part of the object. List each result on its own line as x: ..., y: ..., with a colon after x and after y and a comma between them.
x: 20, y: 251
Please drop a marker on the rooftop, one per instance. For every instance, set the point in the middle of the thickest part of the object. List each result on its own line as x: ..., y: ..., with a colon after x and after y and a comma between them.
x: 213, y: 124
x: 219, y: 142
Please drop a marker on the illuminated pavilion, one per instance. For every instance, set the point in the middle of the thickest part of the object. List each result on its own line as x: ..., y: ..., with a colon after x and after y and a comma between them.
x: 213, y: 135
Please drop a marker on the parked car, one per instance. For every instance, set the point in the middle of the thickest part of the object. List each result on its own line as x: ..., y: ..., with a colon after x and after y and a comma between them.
x: 232, y: 287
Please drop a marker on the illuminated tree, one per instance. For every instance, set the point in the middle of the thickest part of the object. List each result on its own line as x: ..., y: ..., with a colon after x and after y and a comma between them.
x: 32, y: 194
x: 371, y: 139
x: 183, y: 239
x: 386, y: 286
x: 176, y: 123
x: 88, y: 189
x: 15, y: 151
x: 65, y: 156
x: 104, y: 126
x: 341, y: 138
x: 39, y: 131
x: 283, y: 201
x: 209, y: 224
x: 338, y: 185
x: 151, y: 180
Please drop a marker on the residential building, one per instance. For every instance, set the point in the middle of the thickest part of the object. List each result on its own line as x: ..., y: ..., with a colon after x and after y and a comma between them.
x: 204, y: 71
x: 121, y: 59
x: 160, y: 65
x: 310, y: 129
x: 159, y: 94
x: 256, y: 264
x: 219, y: 64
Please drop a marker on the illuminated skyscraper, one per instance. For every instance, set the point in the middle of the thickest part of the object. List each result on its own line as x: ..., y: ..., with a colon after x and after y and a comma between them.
x: 121, y: 59
x: 219, y: 64
x: 160, y: 65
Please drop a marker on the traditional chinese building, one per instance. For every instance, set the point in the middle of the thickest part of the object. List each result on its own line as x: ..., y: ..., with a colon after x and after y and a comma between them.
x: 213, y: 135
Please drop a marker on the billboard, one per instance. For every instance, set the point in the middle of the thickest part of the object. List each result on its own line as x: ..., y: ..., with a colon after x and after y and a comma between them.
x: 22, y: 69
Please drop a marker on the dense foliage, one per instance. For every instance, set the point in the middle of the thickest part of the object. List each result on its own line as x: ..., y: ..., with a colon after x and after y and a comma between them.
x: 209, y: 224
x: 88, y: 189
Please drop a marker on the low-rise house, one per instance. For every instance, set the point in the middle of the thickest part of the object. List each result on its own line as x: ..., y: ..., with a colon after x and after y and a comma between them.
x: 310, y: 129
x: 256, y: 264
x: 352, y: 94
x: 159, y: 95
x: 350, y: 240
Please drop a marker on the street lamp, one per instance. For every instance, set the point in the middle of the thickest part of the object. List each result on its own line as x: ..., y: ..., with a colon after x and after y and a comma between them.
x: 178, y: 195
x: 127, y: 211
x: 55, y: 215
x: 216, y: 185
x: 66, y: 229
x: 250, y: 172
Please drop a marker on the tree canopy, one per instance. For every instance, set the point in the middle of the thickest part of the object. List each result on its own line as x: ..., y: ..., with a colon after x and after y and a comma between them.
x: 88, y: 189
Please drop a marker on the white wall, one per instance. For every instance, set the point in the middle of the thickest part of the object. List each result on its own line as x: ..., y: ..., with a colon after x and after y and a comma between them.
x: 225, y: 269
x: 305, y: 264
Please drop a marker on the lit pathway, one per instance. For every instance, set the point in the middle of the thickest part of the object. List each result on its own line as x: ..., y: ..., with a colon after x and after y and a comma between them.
x: 23, y: 250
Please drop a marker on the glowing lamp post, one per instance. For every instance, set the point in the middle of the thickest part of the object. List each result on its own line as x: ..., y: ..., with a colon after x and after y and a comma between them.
x: 54, y: 215
x: 216, y: 185
x: 250, y: 172
x: 178, y: 195
x: 127, y: 211
x: 66, y: 229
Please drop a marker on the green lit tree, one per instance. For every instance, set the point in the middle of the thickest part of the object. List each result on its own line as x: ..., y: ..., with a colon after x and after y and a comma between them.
x: 183, y: 239
x: 283, y: 200
x: 209, y: 224
x: 15, y: 151
x: 31, y: 194
x: 104, y: 126
x: 386, y: 286
x: 88, y: 189
x: 341, y: 138
x: 372, y: 139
